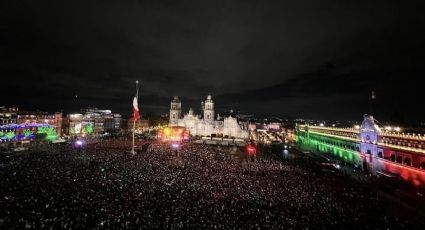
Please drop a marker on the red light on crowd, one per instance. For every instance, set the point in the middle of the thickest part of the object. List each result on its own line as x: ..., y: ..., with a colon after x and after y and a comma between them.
x: 251, y: 149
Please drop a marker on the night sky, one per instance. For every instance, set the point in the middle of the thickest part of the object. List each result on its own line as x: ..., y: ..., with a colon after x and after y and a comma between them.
x: 297, y: 59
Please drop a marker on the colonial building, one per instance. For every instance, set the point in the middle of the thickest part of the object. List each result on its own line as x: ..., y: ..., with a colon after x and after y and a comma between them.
x: 8, y: 115
x: 14, y: 116
x: 377, y: 150
x: 92, y: 120
x: 54, y: 119
x: 206, y: 124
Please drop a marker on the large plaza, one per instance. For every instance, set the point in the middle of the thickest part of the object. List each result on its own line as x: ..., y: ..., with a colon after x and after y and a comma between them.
x: 201, y: 187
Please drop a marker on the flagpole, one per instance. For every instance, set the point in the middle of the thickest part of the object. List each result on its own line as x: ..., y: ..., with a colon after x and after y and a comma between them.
x: 372, y: 98
x: 134, y: 119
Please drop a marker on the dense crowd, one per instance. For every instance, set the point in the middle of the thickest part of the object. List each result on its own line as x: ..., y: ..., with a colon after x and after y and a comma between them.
x: 102, y: 186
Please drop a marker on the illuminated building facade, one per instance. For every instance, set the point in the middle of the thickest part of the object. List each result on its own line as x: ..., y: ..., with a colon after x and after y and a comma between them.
x: 78, y: 124
x: 371, y: 147
x: 92, y: 121
x: 14, y: 116
x: 28, y: 117
x: 175, y: 111
x: 207, y: 124
x: 27, y: 132
x: 8, y: 115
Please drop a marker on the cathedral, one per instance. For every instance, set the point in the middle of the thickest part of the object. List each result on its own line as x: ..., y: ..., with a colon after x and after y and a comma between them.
x: 206, y: 124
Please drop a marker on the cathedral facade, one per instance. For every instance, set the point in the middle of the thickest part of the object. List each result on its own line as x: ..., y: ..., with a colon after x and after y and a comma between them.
x: 207, y: 123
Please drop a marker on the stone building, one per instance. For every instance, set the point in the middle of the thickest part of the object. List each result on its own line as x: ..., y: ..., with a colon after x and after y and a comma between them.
x: 207, y: 123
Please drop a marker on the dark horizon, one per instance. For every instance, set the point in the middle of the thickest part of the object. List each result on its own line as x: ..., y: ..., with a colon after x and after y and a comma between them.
x: 309, y: 59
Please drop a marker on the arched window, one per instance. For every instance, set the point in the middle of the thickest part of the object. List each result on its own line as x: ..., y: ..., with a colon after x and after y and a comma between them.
x: 408, y: 161
x: 399, y: 159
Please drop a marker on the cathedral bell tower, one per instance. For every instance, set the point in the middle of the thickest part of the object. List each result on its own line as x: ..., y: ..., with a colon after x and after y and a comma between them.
x: 175, y: 110
x: 369, y: 137
x: 209, y: 109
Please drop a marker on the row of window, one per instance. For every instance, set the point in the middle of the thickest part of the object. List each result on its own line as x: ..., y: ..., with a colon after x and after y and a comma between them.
x: 344, y: 145
x: 419, y: 145
x: 338, y: 133
x: 406, y: 160
x: 7, y: 121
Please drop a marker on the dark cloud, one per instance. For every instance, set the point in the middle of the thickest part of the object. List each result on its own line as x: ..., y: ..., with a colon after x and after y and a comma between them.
x: 289, y: 58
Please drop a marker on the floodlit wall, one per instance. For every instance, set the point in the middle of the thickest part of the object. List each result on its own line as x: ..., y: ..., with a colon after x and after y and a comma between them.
x: 27, y: 132
x: 344, y: 150
x: 410, y: 174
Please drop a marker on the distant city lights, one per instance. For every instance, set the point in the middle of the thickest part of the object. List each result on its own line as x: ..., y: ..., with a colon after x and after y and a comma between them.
x: 390, y: 128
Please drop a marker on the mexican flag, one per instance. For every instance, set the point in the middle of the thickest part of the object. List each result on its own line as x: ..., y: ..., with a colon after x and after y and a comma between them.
x: 136, y: 114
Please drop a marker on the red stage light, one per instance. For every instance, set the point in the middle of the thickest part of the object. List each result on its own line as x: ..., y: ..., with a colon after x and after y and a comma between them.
x: 251, y: 150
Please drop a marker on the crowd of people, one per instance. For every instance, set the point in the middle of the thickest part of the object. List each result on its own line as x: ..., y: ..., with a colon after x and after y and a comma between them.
x: 102, y: 186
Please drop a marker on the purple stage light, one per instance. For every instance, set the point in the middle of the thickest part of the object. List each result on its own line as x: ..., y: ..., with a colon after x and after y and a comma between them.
x: 79, y: 143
